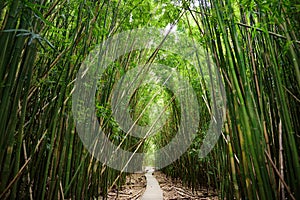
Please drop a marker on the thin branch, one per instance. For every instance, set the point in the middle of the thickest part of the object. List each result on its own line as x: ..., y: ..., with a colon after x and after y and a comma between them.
x: 279, y: 175
x: 271, y: 33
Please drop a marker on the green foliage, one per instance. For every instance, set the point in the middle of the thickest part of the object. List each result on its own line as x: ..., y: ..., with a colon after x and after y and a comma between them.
x: 255, y: 45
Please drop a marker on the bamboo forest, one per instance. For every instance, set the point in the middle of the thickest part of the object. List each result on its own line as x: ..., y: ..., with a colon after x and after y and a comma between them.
x: 150, y: 99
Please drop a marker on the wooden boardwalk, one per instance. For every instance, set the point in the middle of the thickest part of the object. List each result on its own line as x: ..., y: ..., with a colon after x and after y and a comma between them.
x: 153, y: 190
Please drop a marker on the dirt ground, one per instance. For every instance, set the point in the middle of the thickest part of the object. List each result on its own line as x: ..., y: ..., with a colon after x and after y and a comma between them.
x: 133, y: 189
x: 174, y: 190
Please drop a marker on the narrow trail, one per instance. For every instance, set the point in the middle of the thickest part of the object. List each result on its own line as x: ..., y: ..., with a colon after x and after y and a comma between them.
x: 153, y: 190
x: 156, y: 185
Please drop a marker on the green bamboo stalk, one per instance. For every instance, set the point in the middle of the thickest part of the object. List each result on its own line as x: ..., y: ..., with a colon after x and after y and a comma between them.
x: 284, y: 112
x: 5, y: 38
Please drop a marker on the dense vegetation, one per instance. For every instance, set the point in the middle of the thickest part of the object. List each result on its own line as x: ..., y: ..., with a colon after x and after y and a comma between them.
x: 255, y: 46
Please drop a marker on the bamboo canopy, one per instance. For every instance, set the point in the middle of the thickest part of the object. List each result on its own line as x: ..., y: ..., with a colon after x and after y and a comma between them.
x: 254, y: 45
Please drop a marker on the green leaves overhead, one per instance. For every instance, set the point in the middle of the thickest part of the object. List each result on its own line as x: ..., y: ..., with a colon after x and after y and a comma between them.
x: 254, y: 44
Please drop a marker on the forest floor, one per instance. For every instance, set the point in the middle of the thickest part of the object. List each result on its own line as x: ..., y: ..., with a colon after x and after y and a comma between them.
x: 175, y: 190
x: 135, y: 187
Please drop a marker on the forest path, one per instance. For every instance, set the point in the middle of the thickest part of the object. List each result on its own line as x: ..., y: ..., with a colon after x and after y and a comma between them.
x: 153, y: 190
